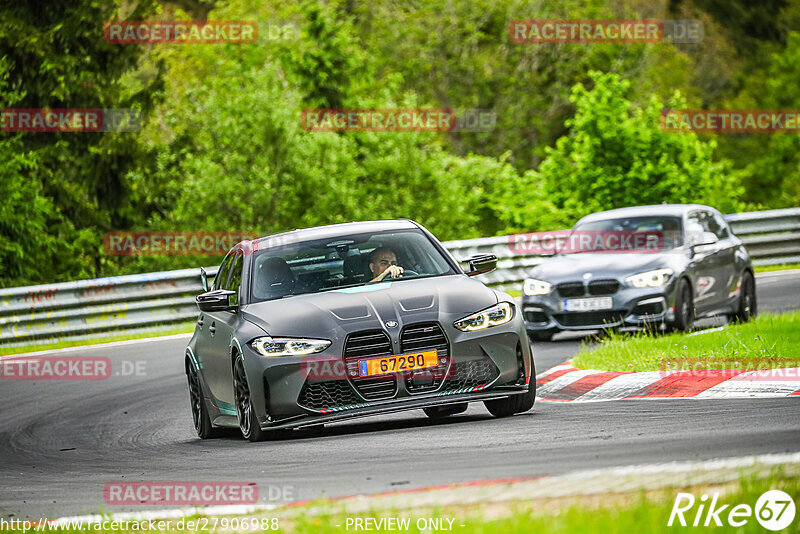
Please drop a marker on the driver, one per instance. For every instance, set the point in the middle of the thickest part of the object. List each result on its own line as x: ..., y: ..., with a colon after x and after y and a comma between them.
x: 383, y: 263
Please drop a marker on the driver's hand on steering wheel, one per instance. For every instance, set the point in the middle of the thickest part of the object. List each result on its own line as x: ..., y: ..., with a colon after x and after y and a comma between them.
x: 393, y: 271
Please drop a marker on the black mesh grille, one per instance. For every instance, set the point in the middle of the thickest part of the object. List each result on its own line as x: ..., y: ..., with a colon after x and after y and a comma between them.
x: 471, y: 374
x: 419, y: 337
x: 598, y: 319
x: 570, y: 289
x: 367, y: 344
x: 654, y: 308
x: 327, y: 394
x: 603, y: 287
x: 535, y: 317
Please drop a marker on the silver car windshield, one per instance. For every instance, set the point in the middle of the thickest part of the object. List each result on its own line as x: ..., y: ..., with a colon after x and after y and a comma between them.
x: 671, y: 228
x: 344, y: 262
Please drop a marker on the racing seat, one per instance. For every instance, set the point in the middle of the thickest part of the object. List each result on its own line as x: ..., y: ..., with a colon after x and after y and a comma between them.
x: 275, y: 279
x: 356, y: 269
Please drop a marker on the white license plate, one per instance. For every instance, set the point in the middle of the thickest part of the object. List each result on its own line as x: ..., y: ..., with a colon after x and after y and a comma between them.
x: 590, y: 304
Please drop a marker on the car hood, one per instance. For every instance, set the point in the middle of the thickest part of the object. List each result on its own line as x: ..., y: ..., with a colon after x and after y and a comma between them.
x: 338, y: 312
x: 572, y: 267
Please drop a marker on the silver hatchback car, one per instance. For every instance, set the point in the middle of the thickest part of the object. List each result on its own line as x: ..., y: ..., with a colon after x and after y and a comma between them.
x: 699, y: 268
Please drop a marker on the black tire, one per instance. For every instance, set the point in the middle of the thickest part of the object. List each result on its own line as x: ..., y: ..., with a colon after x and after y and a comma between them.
x: 748, y: 307
x: 684, y: 308
x: 540, y: 335
x: 511, y: 405
x: 515, y: 403
x: 439, y: 412
x: 200, y: 417
x: 248, y: 423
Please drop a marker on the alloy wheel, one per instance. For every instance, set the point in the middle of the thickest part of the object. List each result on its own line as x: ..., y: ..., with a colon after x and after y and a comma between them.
x: 242, y: 393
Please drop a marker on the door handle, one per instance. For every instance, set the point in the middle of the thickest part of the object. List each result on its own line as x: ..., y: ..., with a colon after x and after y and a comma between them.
x: 212, y: 328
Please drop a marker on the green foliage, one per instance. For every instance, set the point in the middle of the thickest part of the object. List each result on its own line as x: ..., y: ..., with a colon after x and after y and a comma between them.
x: 458, y: 55
x: 223, y: 148
x: 70, y: 187
x: 616, y: 155
x: 770, y: 161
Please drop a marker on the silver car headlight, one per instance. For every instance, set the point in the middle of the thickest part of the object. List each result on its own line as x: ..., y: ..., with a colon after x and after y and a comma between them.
x: 287, y: 346
x: 533, y: 287
x: 656, y: 278
x: 496, y: 315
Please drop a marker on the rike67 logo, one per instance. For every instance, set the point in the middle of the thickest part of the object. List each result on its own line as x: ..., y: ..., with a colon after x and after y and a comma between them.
x: 774, y: 510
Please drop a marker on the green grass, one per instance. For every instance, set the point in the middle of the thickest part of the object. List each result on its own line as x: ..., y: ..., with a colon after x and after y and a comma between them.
x: 781, y: 267
x: 769, y: 341
x: 183, y: 328
x: 642, y: 513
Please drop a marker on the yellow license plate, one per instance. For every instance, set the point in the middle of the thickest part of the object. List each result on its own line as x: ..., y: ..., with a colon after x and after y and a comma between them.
x: 401, y: 362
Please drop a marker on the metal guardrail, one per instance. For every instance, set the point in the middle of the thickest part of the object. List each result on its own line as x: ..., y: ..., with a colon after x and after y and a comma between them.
x: 144, y: 302
x: 90, y: 308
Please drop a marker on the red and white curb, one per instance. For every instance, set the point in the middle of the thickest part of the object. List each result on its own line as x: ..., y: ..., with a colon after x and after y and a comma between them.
x: 565, y: 383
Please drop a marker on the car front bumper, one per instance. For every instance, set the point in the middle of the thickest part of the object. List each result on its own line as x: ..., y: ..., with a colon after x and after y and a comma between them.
x: 631, y: 307
x: 289, y: 392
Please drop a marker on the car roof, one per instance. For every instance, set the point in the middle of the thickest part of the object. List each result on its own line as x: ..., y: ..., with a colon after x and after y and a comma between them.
x: 333, y: 231
x: 675, y: 210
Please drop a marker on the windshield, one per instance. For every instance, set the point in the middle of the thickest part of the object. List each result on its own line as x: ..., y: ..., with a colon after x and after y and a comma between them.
x: 655, y: 233
x: 345, y: 262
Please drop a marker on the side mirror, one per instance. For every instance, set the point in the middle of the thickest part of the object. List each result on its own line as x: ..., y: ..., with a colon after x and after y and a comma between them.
x: 213, y: 301
x: 204, y: 279
x: 704, y: 238
x: 480, y: 264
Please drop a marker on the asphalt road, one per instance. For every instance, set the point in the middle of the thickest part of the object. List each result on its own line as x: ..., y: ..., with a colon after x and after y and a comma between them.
x: 61, y: 442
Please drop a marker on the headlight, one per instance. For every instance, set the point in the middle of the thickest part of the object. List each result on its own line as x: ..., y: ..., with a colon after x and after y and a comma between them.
x: 533, y: 287
x: 285, y: 346
x: 496, y: 315
x: 656, y: 278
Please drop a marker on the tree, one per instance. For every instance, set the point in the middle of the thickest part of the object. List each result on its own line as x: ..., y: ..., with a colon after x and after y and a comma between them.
x: 616, y: 155
x: 54, y: 55
x: 771, y: 160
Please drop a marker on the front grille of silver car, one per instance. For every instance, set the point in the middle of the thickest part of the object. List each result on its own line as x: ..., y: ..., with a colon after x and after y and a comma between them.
x: 367, y: 344
x: 595, y: 287
x: 421, y: 337
x: 603, y: 287
x: 571, y: 289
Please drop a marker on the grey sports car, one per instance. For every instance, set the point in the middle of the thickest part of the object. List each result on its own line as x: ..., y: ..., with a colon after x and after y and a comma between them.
x: 351, y: 320
x: 696, y: 268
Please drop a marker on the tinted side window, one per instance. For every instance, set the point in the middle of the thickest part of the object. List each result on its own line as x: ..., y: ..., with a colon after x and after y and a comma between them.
x: 711, y: 224
x: 222, y: 274
x: 704, y: 221
x: 236, y: 278
x: 723, y: 232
